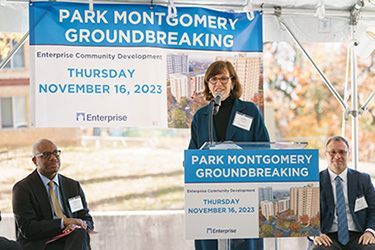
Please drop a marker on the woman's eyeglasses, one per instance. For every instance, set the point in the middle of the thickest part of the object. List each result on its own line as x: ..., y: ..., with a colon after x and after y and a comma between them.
x: 223, y: 80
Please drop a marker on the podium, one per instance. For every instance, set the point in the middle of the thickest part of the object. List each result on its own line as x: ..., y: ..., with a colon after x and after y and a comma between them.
x: 224, y: 183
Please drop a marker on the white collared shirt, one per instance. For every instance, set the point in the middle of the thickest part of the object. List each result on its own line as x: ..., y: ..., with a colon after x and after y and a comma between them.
x: 344, y: 183
x: 45, y: 181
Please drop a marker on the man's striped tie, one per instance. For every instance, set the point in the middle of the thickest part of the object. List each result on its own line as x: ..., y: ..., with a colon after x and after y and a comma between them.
x: 342, y: 222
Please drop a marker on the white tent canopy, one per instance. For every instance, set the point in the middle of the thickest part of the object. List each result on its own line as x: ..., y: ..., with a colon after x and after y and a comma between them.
x: 311, y: 21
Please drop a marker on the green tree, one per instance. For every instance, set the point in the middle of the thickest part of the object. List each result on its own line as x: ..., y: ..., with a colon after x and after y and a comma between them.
x: 179, y: 118
x: 266, y: 230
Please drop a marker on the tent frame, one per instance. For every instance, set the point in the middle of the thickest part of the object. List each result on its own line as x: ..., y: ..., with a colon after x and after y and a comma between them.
x: 355, y: 110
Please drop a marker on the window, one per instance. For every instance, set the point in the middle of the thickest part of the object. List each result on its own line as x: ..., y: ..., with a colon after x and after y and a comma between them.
x: 6, y: 112
x: 13, y: 112
x: 17, y: 61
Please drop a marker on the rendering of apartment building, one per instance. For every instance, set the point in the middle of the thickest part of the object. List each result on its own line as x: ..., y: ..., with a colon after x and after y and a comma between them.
x: 304, y: 200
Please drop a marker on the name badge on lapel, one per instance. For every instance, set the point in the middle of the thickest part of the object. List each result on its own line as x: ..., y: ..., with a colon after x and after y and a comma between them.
x: 242, y: 121
x: 360, y: 203
x: 75, y: 204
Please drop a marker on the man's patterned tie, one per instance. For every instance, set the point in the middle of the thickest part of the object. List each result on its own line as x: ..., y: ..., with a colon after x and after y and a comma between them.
x: 342, y: 222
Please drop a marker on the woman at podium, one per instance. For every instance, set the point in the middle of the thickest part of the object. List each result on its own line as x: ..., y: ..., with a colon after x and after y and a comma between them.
x: 233, y: 120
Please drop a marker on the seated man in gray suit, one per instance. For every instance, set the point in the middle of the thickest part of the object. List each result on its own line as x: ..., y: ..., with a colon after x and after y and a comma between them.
x: 46, y: 204
x: 347, y: 203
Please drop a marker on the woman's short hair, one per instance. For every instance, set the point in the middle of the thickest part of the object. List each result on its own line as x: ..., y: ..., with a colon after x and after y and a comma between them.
x: 220, y: 67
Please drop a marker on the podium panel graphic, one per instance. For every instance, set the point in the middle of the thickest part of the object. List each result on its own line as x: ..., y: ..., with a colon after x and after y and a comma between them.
x: 251, y: 190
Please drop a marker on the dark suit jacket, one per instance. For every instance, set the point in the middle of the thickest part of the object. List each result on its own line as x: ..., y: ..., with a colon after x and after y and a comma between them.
x: 6, y: 244
x: 359, y: 184
x: 257, y: 133
x: 33, y: 212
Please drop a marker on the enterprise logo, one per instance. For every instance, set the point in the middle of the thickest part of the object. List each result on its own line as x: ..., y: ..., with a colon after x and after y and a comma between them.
x: 88, y: 117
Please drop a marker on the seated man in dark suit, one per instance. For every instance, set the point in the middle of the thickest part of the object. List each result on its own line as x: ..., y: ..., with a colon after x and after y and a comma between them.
x: 6, y: 244
x: 347, y: 203
x: 46, y: 204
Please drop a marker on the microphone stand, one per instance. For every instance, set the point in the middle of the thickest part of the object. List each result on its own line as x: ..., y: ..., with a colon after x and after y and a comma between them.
x: 213, y: 110
x: 223, y: 244
x: 211, y: 122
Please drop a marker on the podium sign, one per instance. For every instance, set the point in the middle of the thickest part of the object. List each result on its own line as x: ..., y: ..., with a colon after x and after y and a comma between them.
x: 251, y: 193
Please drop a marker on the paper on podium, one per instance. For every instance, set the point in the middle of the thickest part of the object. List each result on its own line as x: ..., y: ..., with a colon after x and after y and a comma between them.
x: 225, y: 145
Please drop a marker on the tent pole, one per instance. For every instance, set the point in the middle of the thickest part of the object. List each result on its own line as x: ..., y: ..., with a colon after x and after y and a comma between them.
x: 14, y: 50
x: 324, y: 78
x: 354, y: 110
x: 354, y: 17
x: 346, y: 92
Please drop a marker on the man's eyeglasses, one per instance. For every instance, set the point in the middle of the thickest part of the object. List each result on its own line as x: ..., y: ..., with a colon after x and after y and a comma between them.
x: 224, y: 79
x: 333, y: 153
x: 47, y: 155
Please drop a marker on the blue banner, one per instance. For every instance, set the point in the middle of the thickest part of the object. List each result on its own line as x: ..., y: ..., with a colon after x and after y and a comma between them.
x: 129, y: 25
x: 224, y: 166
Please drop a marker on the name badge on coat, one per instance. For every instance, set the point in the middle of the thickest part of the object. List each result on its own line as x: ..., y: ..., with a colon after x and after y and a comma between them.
x: 360, y: 203
x: 75, y: 204
x: 242, y: 121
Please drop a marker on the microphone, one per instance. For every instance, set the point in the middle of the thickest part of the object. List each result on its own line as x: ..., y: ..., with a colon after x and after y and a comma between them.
x: 217, y: 102
x: 214, y: 106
